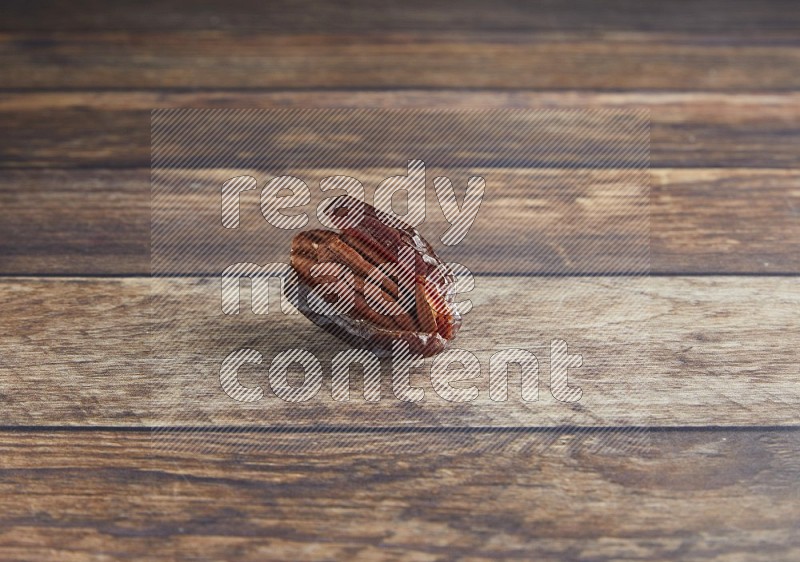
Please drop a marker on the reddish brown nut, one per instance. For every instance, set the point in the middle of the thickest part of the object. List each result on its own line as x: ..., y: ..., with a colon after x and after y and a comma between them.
x: 359, y: 302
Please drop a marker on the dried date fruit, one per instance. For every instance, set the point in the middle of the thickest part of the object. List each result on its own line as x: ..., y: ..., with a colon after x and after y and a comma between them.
x: 374, y: 282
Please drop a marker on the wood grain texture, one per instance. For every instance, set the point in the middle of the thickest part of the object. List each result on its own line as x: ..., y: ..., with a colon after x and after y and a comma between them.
x: 555, y: 222
x: 702, y: 220
x: 693, y: 495
x: 318, y: 16
x: 112, y: 130
x: 671, y: 61
x: 664, y: 352
x: 720, y: 78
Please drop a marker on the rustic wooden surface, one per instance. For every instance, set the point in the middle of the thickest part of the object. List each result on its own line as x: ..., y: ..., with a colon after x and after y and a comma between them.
x: 696, y: 495
x: 718, y: 478
x: 703, y: 129
x: 722, y: 354
x: 107, y: 228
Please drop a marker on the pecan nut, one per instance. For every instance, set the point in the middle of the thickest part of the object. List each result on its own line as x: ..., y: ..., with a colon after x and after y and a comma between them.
x: 374, y: 282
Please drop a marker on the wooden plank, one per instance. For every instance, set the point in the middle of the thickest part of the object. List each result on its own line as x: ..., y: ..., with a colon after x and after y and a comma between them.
x: 58, y: 221
x: 664, y: 352
x: 385, y: 137
x: 112, y: 130
x: 702, y: 221
x: 318, y: 16
x: 754, y: 217
x: 558, y: 222
x: 581, y: 60
x: 401, y: 496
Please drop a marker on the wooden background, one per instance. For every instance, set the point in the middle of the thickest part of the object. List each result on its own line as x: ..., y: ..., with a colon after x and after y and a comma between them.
x: 79, y: 479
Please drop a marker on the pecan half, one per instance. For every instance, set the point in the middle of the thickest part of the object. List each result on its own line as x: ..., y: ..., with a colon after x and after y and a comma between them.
x: 375, y: 282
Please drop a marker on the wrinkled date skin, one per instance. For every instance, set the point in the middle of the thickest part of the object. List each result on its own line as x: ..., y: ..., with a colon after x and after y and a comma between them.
x: 413, y: 303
